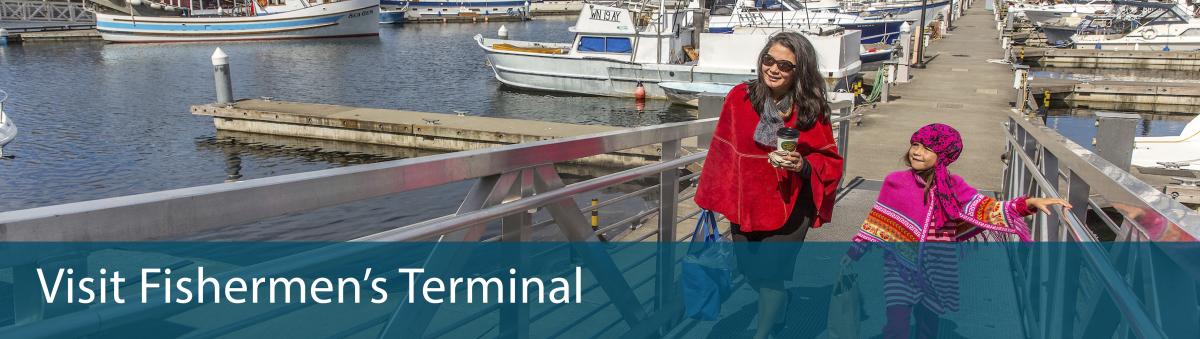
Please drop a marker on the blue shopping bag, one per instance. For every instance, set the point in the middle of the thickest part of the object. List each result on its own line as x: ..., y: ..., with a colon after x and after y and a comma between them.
x: 707, y: 270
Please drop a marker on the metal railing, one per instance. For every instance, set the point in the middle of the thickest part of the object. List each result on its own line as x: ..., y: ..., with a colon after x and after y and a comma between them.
x: 1109, y: 204
x: 510, y: 182
x: 32, y: 10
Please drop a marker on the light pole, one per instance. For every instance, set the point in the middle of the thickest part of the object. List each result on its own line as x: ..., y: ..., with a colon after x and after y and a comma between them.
x: 921, y: 37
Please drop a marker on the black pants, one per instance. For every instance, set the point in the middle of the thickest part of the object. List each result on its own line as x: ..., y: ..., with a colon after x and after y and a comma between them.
x: 772, y: 265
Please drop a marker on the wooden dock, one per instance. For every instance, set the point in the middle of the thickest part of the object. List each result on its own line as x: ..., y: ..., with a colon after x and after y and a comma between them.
x: 1178, y: 97
x: 1092, y: 58
x: 419, y: 130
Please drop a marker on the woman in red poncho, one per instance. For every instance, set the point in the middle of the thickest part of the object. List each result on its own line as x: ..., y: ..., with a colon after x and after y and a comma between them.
x: 772, y: 195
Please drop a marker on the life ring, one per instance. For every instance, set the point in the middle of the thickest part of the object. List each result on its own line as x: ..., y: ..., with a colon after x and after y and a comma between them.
x: 1149, y: 34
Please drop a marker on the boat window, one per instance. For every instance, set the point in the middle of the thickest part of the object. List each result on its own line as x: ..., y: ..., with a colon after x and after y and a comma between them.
x: 604, y: 45
x: 619, y: 45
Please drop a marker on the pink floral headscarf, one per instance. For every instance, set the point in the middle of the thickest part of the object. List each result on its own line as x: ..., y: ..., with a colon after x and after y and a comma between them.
x: 947, y: 144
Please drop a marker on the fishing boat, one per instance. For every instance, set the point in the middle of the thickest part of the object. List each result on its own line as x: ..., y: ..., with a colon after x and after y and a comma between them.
x: 392, y: 11
x: 688, y: 93
x: 247, y: 20
x: 1139, y: 25
x: 8, y: 129
x: 475, y: 8
x: 727, y: 14
x: 617, y: 49
x: 1172, y: 152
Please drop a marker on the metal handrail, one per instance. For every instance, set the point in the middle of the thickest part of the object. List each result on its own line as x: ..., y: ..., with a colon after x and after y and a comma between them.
x: 177, y: 212
x: 428, y: 230
x: 1088, y: 173
x: 1113, y: 183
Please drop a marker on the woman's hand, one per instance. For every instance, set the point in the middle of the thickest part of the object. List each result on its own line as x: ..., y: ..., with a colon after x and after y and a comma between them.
x: 1043, y: 204
x: 791, y: 161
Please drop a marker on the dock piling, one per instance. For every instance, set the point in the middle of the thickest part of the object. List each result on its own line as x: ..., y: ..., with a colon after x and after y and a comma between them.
x: 3, y: 36
x: 220, y: 63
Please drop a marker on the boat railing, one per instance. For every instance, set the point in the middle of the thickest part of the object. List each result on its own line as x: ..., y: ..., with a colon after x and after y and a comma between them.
x: 1109, y: 204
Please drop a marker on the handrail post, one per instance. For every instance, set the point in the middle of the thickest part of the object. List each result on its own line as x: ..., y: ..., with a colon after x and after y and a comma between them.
x: 665, y: 267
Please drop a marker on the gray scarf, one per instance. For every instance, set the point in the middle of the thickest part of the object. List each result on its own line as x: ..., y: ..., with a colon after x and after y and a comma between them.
x: 770, y: 120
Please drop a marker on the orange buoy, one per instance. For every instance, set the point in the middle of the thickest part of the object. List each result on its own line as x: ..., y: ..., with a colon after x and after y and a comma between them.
x: 639, y: 93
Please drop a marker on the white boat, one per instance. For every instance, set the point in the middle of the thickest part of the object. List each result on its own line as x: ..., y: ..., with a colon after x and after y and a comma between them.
x: 899, y: 10
x: 299, y: 19
x: 1041, y: 14
x: 555, y: 6
x: 688, y: 93
x: 8, y: 129
x: 793, y: 13
x: 1158, y: 27
x: 392, y: 11
x: 482, y: 8
x: 1176, y: 152
x: 612, y: 54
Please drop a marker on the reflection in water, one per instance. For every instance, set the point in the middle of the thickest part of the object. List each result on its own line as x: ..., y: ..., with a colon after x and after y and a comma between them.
x: 1079, y: 125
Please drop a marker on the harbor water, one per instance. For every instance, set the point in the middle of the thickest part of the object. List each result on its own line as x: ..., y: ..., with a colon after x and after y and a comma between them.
x: 105, y: 120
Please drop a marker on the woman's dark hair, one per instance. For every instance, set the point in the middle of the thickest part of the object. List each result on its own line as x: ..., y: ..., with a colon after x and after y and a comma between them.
x: 808, y: 87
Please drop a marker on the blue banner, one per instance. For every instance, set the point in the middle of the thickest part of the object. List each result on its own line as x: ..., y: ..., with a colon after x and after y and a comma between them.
x: 594, y: 290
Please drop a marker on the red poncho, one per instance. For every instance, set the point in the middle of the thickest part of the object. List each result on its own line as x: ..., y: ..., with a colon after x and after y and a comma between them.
x: 739, y: 183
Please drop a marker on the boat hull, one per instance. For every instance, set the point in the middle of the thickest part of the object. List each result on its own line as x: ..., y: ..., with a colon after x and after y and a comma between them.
x: 1058, y: 35
x: 611, y: 77
x: 907, y: 13
x: 339, y: 19
x: 437, y: 9
x: 391, y: 17
x: 881, y: 31
x: 688, y: 94
x: 8, y: 130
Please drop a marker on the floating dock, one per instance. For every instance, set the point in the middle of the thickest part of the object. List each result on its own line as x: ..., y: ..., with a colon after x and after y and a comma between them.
x: 50, y: 32
x: 1162, y: 97
x: 419, y: 130
x: 1092, y: 58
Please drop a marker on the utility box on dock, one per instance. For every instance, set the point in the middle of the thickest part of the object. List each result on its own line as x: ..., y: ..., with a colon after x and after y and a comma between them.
x: 1114, y: 137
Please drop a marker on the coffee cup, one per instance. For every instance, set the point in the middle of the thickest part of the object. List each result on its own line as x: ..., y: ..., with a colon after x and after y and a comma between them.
x: 786, y: 139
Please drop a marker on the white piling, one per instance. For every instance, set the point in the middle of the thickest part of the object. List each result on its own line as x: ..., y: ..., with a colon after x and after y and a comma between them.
x: 220, y: 63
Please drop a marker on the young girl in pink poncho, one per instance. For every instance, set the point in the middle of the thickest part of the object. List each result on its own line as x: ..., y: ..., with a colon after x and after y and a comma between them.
x: 925, y: 205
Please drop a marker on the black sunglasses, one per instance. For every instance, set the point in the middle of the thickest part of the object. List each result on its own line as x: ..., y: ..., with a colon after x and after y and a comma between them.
x: 783, y: 65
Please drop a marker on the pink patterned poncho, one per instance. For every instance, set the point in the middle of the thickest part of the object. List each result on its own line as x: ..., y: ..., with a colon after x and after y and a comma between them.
x: 904, y: 223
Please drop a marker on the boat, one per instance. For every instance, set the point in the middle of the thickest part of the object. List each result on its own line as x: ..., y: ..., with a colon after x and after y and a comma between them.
x: 247, y: 20
x: 392, y: 11
x: 1042, y: 14
x: 419, y: 9
x: 550, y: 7
x: 616, y: 49
x: 727, y: 14
x: 1170, y: 152
x: 688, y: 93
x: 8, y: 129
x: 900, y: 10
x: 1139, y: 25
